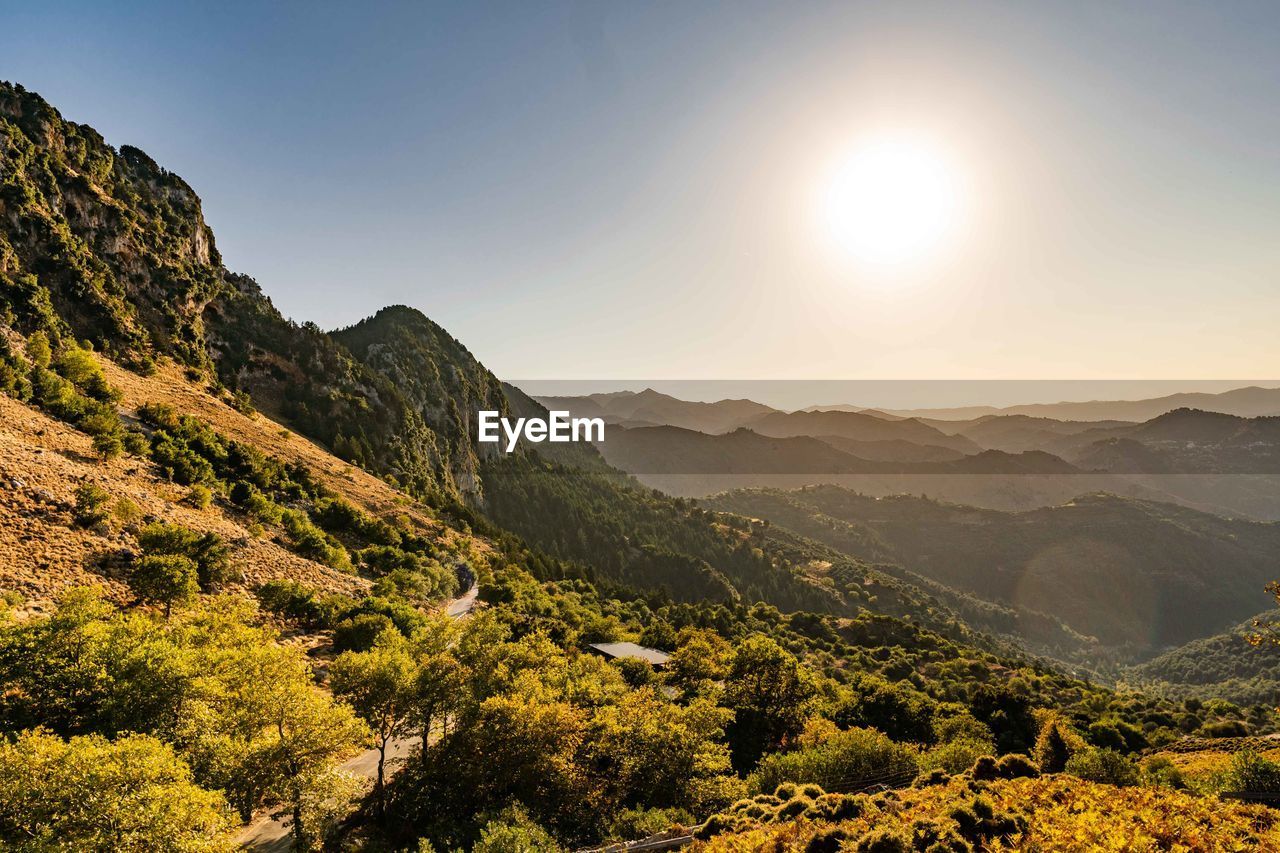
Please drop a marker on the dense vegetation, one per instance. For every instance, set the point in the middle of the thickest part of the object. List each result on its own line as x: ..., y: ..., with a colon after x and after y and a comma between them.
x: 1230, y: 665
x: 1135, y: 575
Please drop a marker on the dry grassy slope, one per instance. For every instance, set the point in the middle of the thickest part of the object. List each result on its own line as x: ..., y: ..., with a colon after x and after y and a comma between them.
x: 43, y: 461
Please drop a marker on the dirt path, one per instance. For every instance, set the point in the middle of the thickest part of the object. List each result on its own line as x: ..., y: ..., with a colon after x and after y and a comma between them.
x: 267, y: 834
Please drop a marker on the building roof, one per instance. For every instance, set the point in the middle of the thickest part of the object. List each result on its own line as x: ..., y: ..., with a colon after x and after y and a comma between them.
x: 631, y: 650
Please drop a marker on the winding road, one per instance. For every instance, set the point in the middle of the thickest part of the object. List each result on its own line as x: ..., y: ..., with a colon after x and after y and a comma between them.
x: 267, y: 834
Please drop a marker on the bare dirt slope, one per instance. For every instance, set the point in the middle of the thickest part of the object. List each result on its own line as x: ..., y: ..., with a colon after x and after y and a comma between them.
x: 43, y: 461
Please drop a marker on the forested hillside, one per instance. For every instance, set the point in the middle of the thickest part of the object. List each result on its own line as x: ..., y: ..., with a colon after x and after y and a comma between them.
x: 1136, y: 575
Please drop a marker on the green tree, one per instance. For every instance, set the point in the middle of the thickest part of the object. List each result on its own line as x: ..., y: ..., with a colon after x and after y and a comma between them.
x: 380, y: 686
x: 655, y: 753
x: 769, y: 693
x: 700, y: 659
x: 132, y: 795
x: 91, y: 505
x: 165, y: 579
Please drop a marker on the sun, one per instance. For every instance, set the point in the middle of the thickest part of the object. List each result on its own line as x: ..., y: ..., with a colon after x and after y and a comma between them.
x: 891, y: 202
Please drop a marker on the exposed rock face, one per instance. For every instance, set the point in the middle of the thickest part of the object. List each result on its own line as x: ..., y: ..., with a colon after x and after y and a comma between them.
x: 107, y: 246
x: 105, y: 241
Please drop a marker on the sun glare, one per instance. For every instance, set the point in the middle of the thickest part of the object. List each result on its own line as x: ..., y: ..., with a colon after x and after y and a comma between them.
x: 891, y: 202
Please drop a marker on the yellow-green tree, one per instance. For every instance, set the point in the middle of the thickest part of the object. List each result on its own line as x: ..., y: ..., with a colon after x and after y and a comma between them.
x: 380, y: 686
x: 133, y: 795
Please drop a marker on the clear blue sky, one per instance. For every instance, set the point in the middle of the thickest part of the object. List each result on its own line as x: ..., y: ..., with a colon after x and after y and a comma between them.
x: 625, y: 189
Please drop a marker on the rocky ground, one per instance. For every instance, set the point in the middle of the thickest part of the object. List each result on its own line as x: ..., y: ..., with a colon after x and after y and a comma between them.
x: 43, y: 461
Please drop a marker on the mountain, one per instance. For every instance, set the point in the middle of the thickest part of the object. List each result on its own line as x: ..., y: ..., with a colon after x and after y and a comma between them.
x: 892, y: 450
x: 1184, y: 441
x: 1016, y: 433
x: 1248, y: 402
x: 672, y: 450
x: 657, y: 451
x: 651, y: 407
x: 1136, y: 575
x: 858, y: 426
x: 108, y: 247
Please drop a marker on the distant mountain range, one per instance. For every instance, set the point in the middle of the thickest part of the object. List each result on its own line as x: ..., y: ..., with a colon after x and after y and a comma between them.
x: 1209, y: 460
x: 672, y: 450
x: 1249, y: 402
x: 651, y: 408
x: 1181, y: 442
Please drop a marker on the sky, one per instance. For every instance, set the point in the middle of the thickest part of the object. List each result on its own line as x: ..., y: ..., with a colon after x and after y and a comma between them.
x: 627, y: 191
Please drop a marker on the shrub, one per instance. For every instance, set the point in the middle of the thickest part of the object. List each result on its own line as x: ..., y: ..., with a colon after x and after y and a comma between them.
x: 513, y: 831
x: 958, y: 755
x: 1162, y: 771
x: 1251, y: 772
x: 313, y: 543
x: 937, y: 776
x: 841, y: 756
x: 1225, y: 728
x: 1103, y: 765
x: 136, y: 443
x: 1117, y: 735
x: 1055, y: 745
x: 82, y: 370
x: 91, y: 505
x: 159, y: 416
x: 829, y: 840
x: 293, y: 600
x: 641, y: 823
x: 357, y: 633
x: 241, y: 402
x: 256, y: 505
x: 199, y: 497
x: 835, y: 807
x: 126, y: 512
x: 206, y: 550
x: 1015, y: 766
x: 984, y: 769
x: 882, y: 841
x: 794, y: 807
x: 108, y: 445
x: 38, y: 349
x: 635, y: 672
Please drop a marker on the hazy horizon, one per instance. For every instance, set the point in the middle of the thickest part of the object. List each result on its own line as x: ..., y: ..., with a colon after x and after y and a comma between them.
x: 892, y: 395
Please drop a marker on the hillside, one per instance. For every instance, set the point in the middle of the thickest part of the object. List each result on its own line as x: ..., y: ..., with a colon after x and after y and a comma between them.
x: 1134, y: 574
x: 111, y: 248
x: 1225, y: 665
x: 45, y: 460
